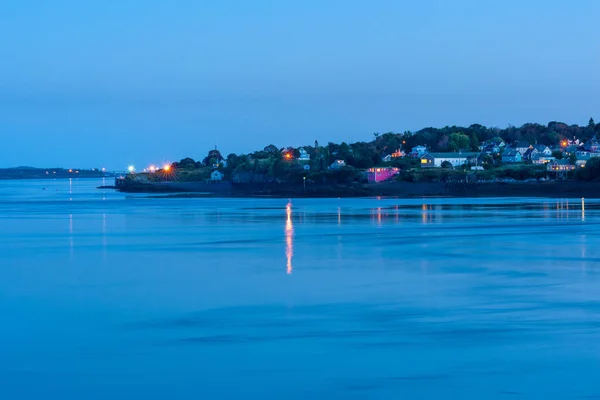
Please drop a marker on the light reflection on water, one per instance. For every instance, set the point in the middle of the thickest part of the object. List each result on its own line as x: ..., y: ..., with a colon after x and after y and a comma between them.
x: 389, y: 298
x: 289, y: 238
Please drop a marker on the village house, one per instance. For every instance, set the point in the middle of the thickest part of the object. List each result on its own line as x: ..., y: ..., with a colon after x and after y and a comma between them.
x: 491, y: 149
x: 381, y: 174
x: 337, y: 164
x: 216, y: 176
x: 521, y: 147
x: 511, y: 156
x: 397, y: 153
x: 304, y: 156
x: 541, y: 158
x: 592, y: 145
x: 418, y: 151
x: 560, y: 166
x: 529, y: 153
x: 435, y: 160
x: 542, y: 148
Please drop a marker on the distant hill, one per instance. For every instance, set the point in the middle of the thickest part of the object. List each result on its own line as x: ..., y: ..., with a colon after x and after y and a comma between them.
x: 51, y: 173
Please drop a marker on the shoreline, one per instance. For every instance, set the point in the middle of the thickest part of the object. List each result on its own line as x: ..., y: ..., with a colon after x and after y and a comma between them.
x: 553, y: 189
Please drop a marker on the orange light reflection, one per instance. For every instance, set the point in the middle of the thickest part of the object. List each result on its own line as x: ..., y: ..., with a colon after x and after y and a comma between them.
x: 289, y: 238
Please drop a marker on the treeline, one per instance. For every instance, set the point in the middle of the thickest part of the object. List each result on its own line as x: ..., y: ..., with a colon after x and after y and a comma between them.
x: 282, y: 163
x: 452, y: 138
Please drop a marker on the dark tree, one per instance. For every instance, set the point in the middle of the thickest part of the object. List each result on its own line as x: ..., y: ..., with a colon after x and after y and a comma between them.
x: 271, y: 149
x: 213, y: 157
x: 591, y: 170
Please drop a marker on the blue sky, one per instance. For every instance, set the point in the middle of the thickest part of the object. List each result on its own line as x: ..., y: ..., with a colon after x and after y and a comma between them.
x: 113, y: 82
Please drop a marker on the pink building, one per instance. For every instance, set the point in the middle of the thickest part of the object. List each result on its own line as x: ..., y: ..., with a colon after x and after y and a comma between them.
x: 381, y: 174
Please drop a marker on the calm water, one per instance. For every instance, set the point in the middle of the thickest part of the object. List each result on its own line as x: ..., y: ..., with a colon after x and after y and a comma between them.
x: 104, y: 296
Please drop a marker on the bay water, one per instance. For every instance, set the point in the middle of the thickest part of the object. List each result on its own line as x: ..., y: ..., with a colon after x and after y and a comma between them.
x: 110, y: 296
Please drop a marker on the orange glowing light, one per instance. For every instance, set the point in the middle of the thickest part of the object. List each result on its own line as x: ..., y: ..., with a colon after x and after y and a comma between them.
x: 167, y: 167
x: 288, y: 156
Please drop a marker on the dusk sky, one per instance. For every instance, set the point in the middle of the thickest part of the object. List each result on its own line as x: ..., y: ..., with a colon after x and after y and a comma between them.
x: 117, y: 82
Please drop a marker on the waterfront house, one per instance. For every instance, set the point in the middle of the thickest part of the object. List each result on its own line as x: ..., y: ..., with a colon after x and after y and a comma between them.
x: 304, y: 156
x: 397, y: 153
x: 542, y: 148
x: 381, y: 174
x: 418, y: 151
x: 541, y: 158
x: 216, y: 176
x: 529, y: 153
x: 511, y: 156
x: 337, y: 164
x: 592, y: 145
x: 435, y: 160
x: 522, y: 147
x: 387, y: 158
x: 560, y: 166
x: 491, y: 149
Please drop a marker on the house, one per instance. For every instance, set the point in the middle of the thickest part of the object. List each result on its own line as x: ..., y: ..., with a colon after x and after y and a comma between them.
x: 397, y: 153
x: 541, y: 158
x: 529, y: 153
x: 304, y: 156
x: 511, y: 156
x: 418, y: 151
x: 435, y: 160
x: 592, y: 145
x: 521, y: 147
x: 337, y: 164
x: 381, y: 174
x: 542, y: 148
x: 583, y: 157
x: 387, y: 158
x: 560, y: 166
x: 216, y: 176
x: 222, y: 163
x: 491, y: 149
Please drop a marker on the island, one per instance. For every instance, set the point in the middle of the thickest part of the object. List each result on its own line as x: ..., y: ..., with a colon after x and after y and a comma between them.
x: 553, y: 160
x: 52, y: 173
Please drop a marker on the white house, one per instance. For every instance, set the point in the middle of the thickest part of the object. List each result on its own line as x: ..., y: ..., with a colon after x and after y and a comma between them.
x: 418, y: 151
x: 542, y: 148
x: 431, y: 160
x: 304, y: 156
x: 216, y: 175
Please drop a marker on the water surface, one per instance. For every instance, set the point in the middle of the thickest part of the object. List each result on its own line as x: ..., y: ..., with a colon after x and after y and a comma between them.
x: 104, y: 296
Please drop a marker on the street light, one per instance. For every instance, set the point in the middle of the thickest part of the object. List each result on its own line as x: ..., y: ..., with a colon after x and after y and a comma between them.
x: 131, y: 169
